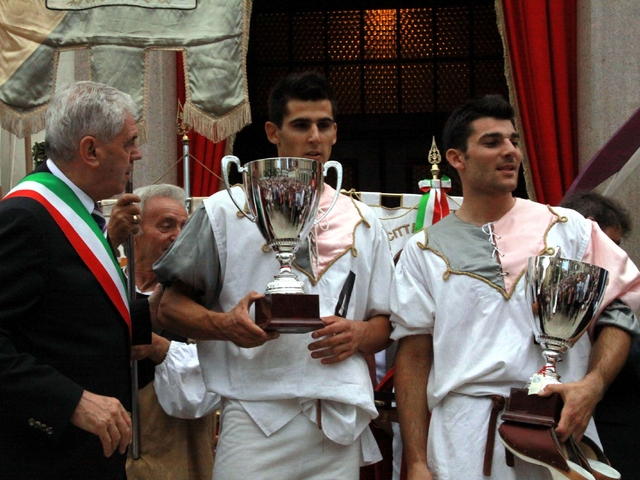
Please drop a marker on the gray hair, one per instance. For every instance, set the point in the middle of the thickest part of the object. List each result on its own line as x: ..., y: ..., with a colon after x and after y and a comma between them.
x: 81, y: 109
x: 162, y: 190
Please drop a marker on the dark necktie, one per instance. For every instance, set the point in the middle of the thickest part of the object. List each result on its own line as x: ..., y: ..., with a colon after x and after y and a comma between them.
x: 99, y: 217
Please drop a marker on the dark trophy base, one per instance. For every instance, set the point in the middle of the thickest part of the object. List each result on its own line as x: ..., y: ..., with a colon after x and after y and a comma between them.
x: 289, y: 313
x: 533, y: 409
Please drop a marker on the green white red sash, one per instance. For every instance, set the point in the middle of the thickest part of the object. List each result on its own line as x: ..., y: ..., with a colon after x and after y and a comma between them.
x: 81, y: 230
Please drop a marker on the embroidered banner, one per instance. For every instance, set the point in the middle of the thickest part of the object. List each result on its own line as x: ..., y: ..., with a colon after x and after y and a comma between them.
x: 399, y: 222
x: 213, y: 37
x: 84, y: 4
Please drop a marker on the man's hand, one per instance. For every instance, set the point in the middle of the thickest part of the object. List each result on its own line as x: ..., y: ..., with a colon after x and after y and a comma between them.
x: 238, y: 327
x: 156, y: 351
x: 608, y: 354
x: 121, y: 222
x: 106, y: 418
x: 419, y: 472
x: 340, y: 338
x: 580, y: 400
x: 180, y: 313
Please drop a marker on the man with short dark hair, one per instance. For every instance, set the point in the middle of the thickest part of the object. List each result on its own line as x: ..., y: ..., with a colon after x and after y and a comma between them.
x: 293, y: 405
x: 65, y: 320
x: 609, y: 214
x: 461, y: 317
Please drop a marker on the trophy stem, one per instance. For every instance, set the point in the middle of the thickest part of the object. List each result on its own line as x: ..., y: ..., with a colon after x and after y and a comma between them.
x: 549, y: 371
x: 286, y: 281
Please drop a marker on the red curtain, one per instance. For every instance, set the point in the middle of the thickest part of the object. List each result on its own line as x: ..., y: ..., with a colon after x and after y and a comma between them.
x: 541, y: 41
x: 203, y: 182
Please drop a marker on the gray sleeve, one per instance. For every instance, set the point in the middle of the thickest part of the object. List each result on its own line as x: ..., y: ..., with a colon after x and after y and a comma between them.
x: 618, y: 314
x: 193, y: 260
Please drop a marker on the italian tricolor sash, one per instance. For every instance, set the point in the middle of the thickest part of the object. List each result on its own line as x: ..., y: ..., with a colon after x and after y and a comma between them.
x: 81, y: 230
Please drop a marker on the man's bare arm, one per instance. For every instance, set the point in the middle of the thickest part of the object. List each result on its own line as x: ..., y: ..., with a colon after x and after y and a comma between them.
x: 608, y: 355
x: 180, y: 313
x: 412, y: 366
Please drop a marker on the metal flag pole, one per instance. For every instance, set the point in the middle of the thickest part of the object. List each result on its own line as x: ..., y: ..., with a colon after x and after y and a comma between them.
x: 131, y: 288
x: 184, y: 129
x: 187, y: 183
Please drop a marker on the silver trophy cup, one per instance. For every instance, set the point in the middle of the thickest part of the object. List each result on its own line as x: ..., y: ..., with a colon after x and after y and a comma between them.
x: 566, y: 295
x: 283, y: 195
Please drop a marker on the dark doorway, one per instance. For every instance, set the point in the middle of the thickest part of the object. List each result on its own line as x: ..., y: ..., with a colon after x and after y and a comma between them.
x: 398, y: 68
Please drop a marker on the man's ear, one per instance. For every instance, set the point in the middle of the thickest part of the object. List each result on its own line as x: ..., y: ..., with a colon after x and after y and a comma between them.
x: 456, y: 158
x: 88, y: 151
x: 273, y: 132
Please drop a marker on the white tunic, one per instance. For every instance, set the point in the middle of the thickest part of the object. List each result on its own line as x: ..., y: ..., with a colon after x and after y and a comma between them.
x: 278, y: 380
x: 449, y: 285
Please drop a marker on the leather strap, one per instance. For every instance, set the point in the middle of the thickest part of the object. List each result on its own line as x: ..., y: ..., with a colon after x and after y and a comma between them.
x: 319, y: 414
x: 498, y: 402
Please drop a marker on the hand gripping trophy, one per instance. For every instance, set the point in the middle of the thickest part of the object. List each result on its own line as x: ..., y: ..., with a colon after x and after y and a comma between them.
x: 283, y: 195
x: 566, y: 295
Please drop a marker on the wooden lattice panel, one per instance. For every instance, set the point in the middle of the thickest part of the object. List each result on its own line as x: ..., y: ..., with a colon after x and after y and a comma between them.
x: 417, y: 88
x: 308, y: 34
x: 261, y: 86
x: 347, y: 85
x: 411, y: 60
x: 486, y: 41
x: 381, y: 88
x: 343, y: 35
x: 452, y: 32
x: 380, y: 34
x: 489, y: 78
x: 273, y: 31
x: 453, y: 86
x: 417, y: 33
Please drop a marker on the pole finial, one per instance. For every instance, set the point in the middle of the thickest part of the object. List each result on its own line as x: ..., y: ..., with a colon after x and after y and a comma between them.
x: 183, y: 127
x: 434, y: 159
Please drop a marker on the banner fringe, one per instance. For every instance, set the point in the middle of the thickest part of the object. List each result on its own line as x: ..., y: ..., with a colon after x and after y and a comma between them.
x: 22, y: 124
x: 217, y: 129
x: 143, y: 136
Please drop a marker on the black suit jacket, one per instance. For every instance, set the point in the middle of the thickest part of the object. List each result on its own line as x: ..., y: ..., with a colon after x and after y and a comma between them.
x: 59, y: 335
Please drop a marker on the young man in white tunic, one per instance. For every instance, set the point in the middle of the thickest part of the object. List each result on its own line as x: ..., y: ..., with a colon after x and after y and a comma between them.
x: 294, y: 406
x: 460, y: 313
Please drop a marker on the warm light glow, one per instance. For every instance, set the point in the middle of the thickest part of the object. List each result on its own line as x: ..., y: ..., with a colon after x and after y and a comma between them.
x: 380, y: 34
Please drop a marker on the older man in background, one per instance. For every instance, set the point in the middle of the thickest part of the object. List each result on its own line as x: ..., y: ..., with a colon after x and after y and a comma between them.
x: 170, y: 448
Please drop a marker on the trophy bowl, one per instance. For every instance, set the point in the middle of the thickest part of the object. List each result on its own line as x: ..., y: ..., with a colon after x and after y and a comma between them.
x: 283, y: 195
x: 565, y: 295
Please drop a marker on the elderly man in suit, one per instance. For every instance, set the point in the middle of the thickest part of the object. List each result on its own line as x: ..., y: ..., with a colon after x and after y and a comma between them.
x: 65, y: 320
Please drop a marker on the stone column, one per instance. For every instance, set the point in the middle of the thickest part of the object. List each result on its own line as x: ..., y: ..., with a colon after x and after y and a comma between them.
x: 609, y: 89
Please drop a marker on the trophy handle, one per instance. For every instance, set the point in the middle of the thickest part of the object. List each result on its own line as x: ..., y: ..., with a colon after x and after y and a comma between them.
x: 226, y: 160
x: 338, y: 168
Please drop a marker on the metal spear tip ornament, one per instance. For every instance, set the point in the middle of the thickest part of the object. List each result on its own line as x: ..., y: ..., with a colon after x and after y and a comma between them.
x: 434, y: 205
